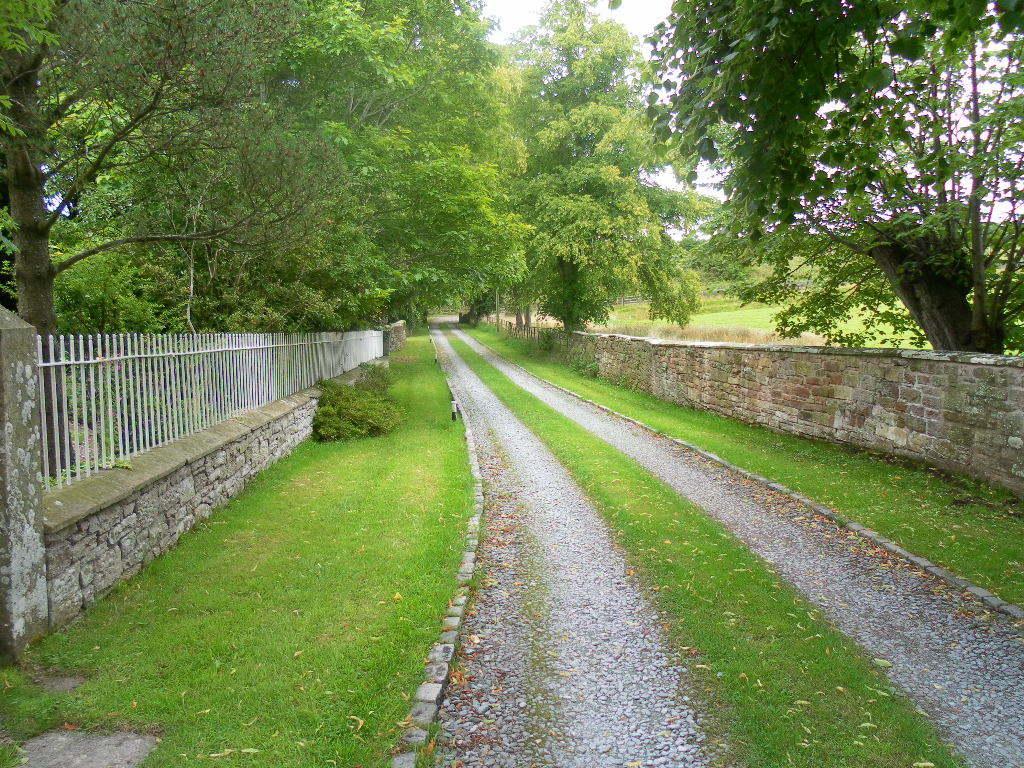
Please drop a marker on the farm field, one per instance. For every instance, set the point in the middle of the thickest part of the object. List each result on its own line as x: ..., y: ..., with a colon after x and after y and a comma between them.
x: 722, y: 318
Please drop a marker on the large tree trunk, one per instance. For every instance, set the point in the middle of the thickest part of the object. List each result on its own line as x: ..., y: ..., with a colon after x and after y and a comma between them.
x: 937, y: 301
x: 519, y: 318
x: 26, y: 188
x: 34, y: 271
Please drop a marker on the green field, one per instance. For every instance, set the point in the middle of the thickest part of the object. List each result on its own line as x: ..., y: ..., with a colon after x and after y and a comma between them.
x: 721, y: 318
x: 290, y: 629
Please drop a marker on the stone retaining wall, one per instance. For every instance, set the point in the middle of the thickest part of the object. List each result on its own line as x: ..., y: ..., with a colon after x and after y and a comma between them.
x: 956, y: 411
x: 104, y: 529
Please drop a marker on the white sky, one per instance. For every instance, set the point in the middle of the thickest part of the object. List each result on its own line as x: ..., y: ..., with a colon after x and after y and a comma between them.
x: 638, y: 16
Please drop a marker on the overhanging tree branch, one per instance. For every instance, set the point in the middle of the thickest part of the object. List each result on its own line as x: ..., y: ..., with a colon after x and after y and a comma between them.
x: 209, y: 234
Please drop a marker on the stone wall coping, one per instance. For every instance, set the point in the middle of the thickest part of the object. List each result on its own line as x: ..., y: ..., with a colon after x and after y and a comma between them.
x: 65, y: 506
x: 970, y: 358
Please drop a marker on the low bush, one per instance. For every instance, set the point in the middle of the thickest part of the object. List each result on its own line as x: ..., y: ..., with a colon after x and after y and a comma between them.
x: 546, y: 340
x: 582, y: 362
x: 346, y: 412
x: 375, y: 378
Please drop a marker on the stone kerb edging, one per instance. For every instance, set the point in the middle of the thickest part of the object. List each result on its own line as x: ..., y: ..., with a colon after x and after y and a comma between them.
x: 985, y: 596
x: 429, y: 695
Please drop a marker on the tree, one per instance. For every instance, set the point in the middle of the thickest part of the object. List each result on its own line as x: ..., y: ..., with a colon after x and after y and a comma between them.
x: 108, y: 85
x: 406, y: 92
x: 317, y: 164
x: 883, y: 138
x: 597, y: 224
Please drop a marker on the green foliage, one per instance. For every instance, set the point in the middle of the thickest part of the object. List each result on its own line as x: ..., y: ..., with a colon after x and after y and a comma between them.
x: 23, y: 25
x: 583, y: 364
x: 599, y: 229
x: 375, y: 378
x: 547, y: 340
x: 882, y: 139
x: 332, y: 162
x: 346, y: 412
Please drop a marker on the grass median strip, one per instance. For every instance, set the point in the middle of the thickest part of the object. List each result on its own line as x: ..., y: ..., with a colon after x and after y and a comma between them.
x: 973, y: 529
x: 786, y: 689
x: 291, y: 628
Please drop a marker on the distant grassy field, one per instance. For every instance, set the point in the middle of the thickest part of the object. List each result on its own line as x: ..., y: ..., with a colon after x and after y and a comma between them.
x: 722, y: 318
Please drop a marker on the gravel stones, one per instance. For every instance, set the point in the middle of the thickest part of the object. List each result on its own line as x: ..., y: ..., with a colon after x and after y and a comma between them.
x: 962, y: 663
x: 562, y: 662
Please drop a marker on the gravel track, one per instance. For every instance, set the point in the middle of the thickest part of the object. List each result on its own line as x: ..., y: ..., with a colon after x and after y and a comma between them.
x: 961, y: 663
x: 562, y: 662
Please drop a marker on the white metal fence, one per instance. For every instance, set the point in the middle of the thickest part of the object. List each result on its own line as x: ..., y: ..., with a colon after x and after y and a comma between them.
x: 107, y: 397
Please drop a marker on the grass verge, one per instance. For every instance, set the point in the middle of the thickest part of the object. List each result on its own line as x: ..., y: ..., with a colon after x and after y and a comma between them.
x: 971, y: 528
x: 786, y: 689
x: 290, y: 629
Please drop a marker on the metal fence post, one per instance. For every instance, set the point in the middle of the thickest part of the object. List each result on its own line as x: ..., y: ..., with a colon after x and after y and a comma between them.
x: 23, y: 600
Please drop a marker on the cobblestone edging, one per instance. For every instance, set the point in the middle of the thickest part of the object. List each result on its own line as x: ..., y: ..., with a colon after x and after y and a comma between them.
x: 985, y: 596
x: 429, y: 695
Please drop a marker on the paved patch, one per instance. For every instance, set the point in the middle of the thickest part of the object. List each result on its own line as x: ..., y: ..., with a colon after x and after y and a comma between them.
x: 961, y: 663
x: 76, y: 749
x: 53, y: 683
x: 563, y: 662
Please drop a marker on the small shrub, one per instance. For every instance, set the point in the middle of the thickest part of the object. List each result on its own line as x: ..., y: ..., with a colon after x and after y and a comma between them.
x: 375, y: 378
x: 346, y: 412
x: 583, y: 364
x: 546, y: 340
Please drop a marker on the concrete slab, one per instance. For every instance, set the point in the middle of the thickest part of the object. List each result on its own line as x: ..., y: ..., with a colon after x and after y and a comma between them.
x: 76, y: 749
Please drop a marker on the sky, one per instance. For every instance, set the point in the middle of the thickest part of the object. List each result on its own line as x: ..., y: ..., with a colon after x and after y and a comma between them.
x: 638, y: 16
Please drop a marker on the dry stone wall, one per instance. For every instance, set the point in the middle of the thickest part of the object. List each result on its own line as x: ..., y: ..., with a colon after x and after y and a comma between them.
x: 102, y: 533
x: 960, y: 412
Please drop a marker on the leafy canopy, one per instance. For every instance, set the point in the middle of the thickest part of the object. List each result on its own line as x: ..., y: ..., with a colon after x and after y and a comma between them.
x: 877, y: 145
x: 600, y: 227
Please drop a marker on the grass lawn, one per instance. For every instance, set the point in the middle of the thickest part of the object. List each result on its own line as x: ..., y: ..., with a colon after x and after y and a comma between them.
x: 784, y: 687
x: 291, y: 628
x: 972, y: 529
x: 726, y: 318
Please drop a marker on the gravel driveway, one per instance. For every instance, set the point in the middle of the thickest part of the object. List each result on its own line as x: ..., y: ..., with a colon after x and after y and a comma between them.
x: 961, y: 663
x: 562, y: 662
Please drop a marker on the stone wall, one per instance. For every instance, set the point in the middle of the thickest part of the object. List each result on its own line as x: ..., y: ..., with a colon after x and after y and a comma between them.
x: 959, y: 412
x: 394, y: 336
x: 104, y: 529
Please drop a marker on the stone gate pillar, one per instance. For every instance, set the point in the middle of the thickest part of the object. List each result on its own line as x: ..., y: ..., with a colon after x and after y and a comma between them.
x: 23, y: 600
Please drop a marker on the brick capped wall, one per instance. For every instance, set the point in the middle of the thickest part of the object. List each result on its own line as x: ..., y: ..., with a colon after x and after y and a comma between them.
x: 957, y: 411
